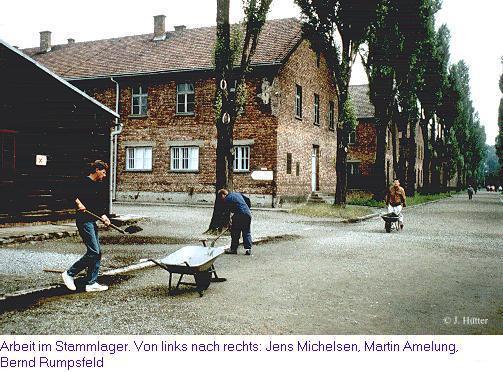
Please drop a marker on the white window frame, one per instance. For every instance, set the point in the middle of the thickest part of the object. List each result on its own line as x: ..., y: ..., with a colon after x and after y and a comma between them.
x: 138, y: 158
x: 331, y: 115
x: 142, y: 101
x: 184, y: 91
x: 316, y: 109
x: 242, y: 158
x: 354, y: 165
x: 352, y: 134
x: 298, y: 101
x: 184, y: 158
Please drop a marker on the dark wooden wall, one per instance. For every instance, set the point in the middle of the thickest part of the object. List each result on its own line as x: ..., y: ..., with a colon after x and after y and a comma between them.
x: 49, y: 119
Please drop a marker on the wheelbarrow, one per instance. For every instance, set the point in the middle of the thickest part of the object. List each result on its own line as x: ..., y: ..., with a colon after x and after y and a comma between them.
x: 192, y: 260
x: 391, y: 221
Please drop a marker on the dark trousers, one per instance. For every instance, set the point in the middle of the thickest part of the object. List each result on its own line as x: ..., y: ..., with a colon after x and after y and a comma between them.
x: 241, y: 225
x: 88, y: 231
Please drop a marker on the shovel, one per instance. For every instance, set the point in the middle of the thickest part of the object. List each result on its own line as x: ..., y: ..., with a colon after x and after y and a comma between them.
x: 205, y: 241
x: 129, y: 230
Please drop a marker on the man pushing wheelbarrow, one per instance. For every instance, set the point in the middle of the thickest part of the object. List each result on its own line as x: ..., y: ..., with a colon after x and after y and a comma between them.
x: 395, y: 200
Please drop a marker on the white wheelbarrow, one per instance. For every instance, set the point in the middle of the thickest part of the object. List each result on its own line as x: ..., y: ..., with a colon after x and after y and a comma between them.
x: 192, y: 260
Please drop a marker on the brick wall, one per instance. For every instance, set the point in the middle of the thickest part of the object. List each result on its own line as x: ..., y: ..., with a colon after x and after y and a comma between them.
x: 363, y: 151
x: 162, y: 127
x: 364, y: 148
x: 297, y: 136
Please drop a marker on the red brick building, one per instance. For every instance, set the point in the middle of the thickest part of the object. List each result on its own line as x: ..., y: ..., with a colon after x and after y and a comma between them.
x: 165, y: 84
x: 363, y: 142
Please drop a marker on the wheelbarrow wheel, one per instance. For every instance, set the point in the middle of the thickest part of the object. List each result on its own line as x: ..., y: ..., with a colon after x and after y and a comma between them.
x: 203, y: 280
x: 387, y: 226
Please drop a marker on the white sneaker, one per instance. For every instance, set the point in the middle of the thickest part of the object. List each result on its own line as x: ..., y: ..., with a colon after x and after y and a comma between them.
x: 69, y: 282
x: 96, y: 287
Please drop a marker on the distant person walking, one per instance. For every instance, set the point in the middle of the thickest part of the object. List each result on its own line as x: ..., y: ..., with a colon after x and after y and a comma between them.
x: 90, y: 195
x: 470, y: 192
x: 239, y: 206
x: 395, y: 200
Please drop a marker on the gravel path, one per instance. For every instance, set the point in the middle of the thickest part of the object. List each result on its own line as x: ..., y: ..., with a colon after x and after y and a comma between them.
x: 325, y: 279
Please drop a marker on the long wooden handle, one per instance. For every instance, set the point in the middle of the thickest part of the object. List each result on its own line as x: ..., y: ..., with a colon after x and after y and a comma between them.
x: 219, y: 235
x: 102, y: 220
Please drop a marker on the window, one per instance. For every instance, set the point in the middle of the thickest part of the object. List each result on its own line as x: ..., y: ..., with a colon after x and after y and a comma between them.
x: 353, y: 168
x: 318, y: 59
x: 331, y: 112
x: 185, y: 98
x: 8, y: 151
x: 297, y: 169
x: 352, y: 137
x: 316, y: 109
x: 298, y: 101
x: 139, y: 101
x: 242, y: 158
x: 138, y: 158
x: 185, y: 158
x: 288, y: 163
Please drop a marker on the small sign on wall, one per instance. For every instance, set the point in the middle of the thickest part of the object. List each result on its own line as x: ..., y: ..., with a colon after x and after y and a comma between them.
x: 41, y: 160
x: 262, y: 175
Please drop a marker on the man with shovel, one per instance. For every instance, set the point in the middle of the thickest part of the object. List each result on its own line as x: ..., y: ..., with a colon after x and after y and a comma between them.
x: 239, y: 206
x: 90, y: 195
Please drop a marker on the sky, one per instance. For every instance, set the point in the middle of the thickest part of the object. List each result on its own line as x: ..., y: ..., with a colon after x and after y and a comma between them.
x: 476, y: 32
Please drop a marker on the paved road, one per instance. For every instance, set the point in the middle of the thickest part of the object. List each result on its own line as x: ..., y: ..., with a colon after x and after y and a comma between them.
x: 325, y: 279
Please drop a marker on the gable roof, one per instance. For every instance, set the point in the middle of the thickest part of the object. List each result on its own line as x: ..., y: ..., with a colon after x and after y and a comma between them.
x: 361, y: 102
x: 183, y: 50
x: 42, y: 70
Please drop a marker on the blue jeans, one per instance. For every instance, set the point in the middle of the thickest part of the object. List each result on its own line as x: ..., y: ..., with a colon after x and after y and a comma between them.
x: 241, y: 225
x: 88, y: 231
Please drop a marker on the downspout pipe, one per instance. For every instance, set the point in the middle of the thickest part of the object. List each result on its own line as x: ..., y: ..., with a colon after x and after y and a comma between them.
x: 113, y: 148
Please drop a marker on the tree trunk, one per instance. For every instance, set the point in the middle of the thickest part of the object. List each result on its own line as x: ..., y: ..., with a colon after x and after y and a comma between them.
x: 434, y: 160
x: 224, y: 119
x: 379, y: 179
x: 394, y: 133
x: 426, y: 155
x: 342, y: 155
x: 459, y: 177
x: 341, y: 171
x: 401, y: 170
x: 411, y: 166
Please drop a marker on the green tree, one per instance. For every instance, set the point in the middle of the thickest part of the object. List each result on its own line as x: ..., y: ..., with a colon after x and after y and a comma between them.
x: 435, y: 55
x: 448, y: 111
x: 337, y: 28
x: 437, y: 140
x: 492, y: 167
x: 228, y: 106
x: 499, y: 137
x: 379, y: 59
x: 416, y: 23
x: 462, y: 121
x: 465, y: 146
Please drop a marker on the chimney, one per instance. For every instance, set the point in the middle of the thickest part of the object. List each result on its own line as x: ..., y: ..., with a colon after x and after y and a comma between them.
x: 45, y: 41
x: 180, y: 28
x: 71, y: 41
x: 159, y: 27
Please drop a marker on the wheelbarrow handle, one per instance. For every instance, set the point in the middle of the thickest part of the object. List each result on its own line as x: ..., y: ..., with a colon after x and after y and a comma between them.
x: 102, y: 220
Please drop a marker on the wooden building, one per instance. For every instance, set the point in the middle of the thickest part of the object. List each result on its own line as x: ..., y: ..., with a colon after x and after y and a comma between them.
x: 49, y: 130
